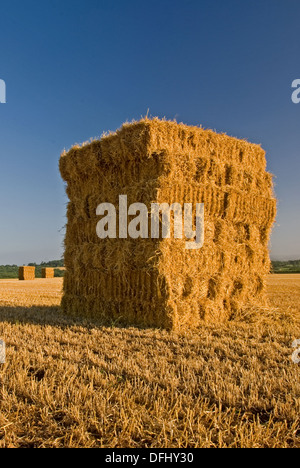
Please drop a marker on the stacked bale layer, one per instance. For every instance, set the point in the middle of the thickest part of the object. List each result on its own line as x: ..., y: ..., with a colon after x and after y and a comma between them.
x: 26, y: 273
x: 157, y: 282
x: 47, y: 272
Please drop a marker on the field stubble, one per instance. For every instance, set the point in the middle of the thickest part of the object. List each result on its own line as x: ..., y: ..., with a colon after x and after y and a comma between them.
x: 71, y: 383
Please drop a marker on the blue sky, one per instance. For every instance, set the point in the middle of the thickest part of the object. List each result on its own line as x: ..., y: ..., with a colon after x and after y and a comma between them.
x: 74, y: 69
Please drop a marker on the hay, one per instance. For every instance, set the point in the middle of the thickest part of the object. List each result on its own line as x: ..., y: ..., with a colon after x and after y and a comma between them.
x: 26, y: 273
x: 47, y: 272
x: 157, y: 282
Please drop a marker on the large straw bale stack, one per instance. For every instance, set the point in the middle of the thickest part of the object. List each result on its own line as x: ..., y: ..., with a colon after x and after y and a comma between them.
x: 157, y: 282
x: 26, y: 273
x: 47, y: 272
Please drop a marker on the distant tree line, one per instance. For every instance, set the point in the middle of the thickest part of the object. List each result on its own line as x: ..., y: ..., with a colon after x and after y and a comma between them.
x: 12, y: 271
x: 289, y: 266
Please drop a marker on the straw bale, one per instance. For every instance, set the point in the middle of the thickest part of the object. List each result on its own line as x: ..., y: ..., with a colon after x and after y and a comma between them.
x: 26, y: 273
x: 157, y: 282
x: 47, y: 272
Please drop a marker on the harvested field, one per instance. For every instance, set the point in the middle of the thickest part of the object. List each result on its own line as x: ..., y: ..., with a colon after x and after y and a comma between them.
x: 74, y: 383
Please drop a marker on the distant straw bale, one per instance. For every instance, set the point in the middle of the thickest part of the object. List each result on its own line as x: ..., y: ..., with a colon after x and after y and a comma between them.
x: 157, y: 282
x: 26, y: 273
x: 47, y: 272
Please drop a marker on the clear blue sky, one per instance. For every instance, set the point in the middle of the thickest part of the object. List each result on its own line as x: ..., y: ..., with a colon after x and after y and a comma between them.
x: 74, y: 69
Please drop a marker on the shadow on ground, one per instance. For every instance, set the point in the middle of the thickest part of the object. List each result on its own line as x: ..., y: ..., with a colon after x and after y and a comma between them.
x: 52, y: 316
x: 41, y: 315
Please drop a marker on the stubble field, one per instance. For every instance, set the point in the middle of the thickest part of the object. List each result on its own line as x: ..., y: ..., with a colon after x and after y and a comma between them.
x: 72, y: 383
